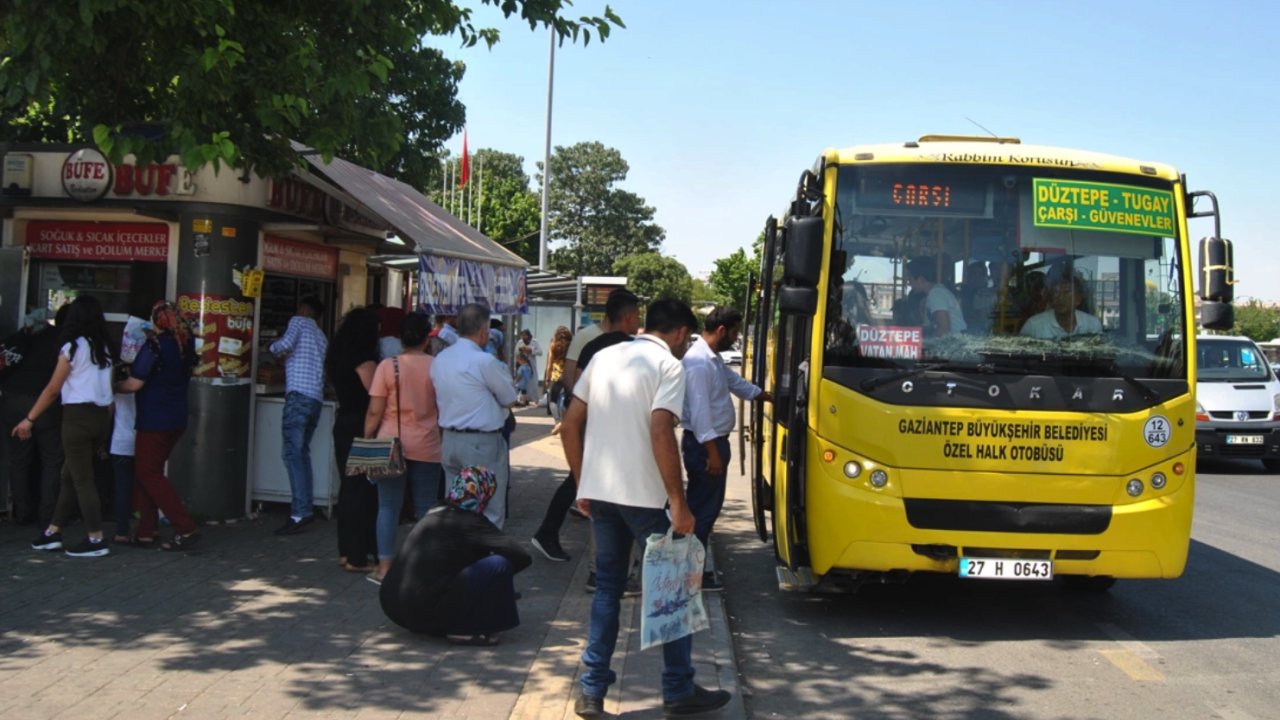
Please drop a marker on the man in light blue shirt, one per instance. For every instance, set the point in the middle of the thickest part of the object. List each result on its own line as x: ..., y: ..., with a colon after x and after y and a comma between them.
x: 474, y: 395
x: 302, y: 346
x: 708, y: 417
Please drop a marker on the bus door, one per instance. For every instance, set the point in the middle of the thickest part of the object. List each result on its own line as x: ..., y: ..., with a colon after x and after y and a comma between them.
x: 797, y: 303
x: 763, y: 436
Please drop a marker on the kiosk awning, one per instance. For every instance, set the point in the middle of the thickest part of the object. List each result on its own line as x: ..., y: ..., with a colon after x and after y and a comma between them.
x: 431, y: 228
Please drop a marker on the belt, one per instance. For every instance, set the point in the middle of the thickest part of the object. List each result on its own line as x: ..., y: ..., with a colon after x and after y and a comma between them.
x: 471, y: 430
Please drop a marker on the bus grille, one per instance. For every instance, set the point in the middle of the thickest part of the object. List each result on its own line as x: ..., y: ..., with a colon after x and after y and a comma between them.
x: 1008, y: 517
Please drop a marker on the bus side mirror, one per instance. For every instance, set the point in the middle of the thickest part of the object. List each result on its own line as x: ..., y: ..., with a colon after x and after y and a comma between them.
x: 803, y: 263
x: 797, y: 300
x: 1217, y: 315
x: 1217, y: 271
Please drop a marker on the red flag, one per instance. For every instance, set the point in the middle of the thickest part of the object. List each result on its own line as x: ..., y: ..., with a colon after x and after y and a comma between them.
x: 465, y: 174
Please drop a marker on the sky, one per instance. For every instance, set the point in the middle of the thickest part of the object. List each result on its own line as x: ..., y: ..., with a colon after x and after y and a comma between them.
x: 719, y: 105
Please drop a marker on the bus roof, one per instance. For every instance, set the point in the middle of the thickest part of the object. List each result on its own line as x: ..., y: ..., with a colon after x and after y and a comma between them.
x: 994, y: 151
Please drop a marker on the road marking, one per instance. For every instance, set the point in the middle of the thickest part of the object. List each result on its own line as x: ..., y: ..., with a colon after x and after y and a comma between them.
x: 1135, y: 667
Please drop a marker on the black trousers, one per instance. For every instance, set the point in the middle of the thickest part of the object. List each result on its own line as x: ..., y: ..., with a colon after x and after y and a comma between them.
x: 558, y: 508
x: 357, y: 498
x: 31, y: 500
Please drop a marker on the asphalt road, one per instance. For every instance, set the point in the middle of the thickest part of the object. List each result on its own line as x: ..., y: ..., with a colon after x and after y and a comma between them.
x: 1206, y: 645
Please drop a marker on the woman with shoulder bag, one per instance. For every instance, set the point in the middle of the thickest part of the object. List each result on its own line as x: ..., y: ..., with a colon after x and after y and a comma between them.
x: 350, y: 364
x: 555, y: 369
x: 402, y: 403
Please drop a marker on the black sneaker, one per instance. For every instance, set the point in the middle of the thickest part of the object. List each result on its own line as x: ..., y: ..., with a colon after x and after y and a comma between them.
x: 47, y: 542
x: 550, y: 547
x: 588, y: 707
x: 702, y: 700
x: 89, y: 548
x: 711, y: 582
x: 295, y: 526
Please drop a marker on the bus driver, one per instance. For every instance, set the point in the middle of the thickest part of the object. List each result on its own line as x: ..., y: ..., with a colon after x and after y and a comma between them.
x: 1064, y: 316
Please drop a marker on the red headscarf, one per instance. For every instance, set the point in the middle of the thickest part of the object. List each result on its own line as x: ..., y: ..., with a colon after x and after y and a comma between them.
x: 165, y: 318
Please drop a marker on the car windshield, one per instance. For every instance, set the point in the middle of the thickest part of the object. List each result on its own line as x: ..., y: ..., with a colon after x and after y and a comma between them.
x: 1229, y: 360
x: 997, y: 269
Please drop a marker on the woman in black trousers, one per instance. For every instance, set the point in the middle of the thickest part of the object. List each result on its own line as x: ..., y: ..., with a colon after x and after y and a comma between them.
x: 350, y: 363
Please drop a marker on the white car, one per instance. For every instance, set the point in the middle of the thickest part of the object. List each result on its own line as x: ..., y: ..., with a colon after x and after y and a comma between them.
x: 1237, y: 401
x: 731, y: 357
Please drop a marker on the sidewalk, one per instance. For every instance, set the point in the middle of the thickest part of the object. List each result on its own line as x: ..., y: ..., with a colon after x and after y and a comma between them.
x: 255, y: 626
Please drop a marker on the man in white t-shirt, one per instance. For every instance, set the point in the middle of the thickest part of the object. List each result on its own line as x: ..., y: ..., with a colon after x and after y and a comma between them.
x: 628, y: 463
x: 941, y: 309
x: 1064, y: 317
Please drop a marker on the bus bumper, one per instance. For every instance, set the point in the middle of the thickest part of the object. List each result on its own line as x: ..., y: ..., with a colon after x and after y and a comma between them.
x: 854, y: 528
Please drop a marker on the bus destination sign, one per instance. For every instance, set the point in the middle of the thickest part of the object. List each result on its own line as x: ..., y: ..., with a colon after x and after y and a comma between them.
x: 922, y: 196
x: 1079, y: 205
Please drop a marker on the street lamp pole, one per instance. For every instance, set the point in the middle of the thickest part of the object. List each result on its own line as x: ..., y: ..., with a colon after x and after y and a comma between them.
x: 546, y: 154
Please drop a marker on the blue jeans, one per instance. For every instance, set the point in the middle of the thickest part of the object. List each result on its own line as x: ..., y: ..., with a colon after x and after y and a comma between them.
x: 616, y: 528
x: 424, y: 478
x: 705, y: 491
x: 301, y: 415
x: 122, y: 470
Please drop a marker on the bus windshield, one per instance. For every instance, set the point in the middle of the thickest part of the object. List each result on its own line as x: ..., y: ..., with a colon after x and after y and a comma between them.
x: 1005, y: 269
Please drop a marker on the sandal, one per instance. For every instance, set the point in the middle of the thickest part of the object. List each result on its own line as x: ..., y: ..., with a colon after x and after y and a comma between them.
x: 181, y: 542
x: 359, y: 568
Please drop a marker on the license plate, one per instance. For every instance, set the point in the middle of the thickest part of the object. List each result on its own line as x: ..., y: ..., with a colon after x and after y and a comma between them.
x: 1005, y: 569
x: 1244, y: 439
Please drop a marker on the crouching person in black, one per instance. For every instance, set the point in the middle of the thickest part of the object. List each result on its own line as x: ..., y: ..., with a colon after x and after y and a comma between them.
x: 453, y: 575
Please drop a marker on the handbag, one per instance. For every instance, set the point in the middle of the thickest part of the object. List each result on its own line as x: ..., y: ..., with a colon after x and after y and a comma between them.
x: 671, y: 604
x: 379, y: 457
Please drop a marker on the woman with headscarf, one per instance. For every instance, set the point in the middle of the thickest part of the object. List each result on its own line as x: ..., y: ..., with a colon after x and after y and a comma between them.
x: 350, y: 363
x: 82, y: 379
x: 453, y: 577
x: 159, y: 379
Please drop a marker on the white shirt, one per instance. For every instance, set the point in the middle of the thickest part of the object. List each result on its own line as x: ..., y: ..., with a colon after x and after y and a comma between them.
x: 622, y: 386
x: 940, y: 298
x: 708, y: 408
x: 473, y: 388
x: 122, y: 433
x: 584, y: 336
x: 1045, y: 326
x: 87, y: 382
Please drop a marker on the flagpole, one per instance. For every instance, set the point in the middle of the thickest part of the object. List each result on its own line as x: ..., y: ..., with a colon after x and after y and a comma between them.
x: 546, y: 155
x: 448, y: 205
x: 480, y: 204
x: 444, y: 180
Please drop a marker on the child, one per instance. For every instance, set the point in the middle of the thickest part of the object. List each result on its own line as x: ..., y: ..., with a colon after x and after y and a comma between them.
x: 524, y: 378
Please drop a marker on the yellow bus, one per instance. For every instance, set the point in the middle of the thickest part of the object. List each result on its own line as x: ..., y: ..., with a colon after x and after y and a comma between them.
x: 980, y: 355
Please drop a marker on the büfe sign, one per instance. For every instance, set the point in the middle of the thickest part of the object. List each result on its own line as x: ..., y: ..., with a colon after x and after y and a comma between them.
x: 890, y: 341
x: 297, y: 258
x: 118, y: 242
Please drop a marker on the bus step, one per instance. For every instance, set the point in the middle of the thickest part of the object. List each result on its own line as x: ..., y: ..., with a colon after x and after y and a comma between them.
x: 798, y: 580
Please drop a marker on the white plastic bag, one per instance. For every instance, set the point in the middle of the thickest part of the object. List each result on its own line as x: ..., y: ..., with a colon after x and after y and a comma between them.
x: 672, y: 597
x: 135, y: 336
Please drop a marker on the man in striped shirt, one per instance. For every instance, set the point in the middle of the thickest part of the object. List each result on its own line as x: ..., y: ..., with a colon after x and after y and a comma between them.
x: 302, y: 346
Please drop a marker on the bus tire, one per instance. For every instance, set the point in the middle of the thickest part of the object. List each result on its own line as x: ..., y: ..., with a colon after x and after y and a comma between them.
x: 1088, y: 583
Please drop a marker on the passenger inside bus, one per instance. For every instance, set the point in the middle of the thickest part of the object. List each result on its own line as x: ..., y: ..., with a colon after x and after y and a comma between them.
x: 1066, y: 315
x: 941, y: 309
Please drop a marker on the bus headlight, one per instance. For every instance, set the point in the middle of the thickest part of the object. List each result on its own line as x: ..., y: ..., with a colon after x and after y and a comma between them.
x: 879, y: 479
x: 852, y: 469
x: 1158, y: 481
x: 1134, y: 487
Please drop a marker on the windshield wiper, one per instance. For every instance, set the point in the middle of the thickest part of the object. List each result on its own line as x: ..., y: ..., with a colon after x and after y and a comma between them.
x: 873, y: 384
x: 1147, y: 393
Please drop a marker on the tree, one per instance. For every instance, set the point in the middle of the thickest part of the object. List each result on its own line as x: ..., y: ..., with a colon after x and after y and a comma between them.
x: 1256, y: 321
x: 595, y: 222
x: 703, y: 292
x: 730, y: 278
x: 506, y: 209
x: 221, y: 81
x: 653, y: 276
